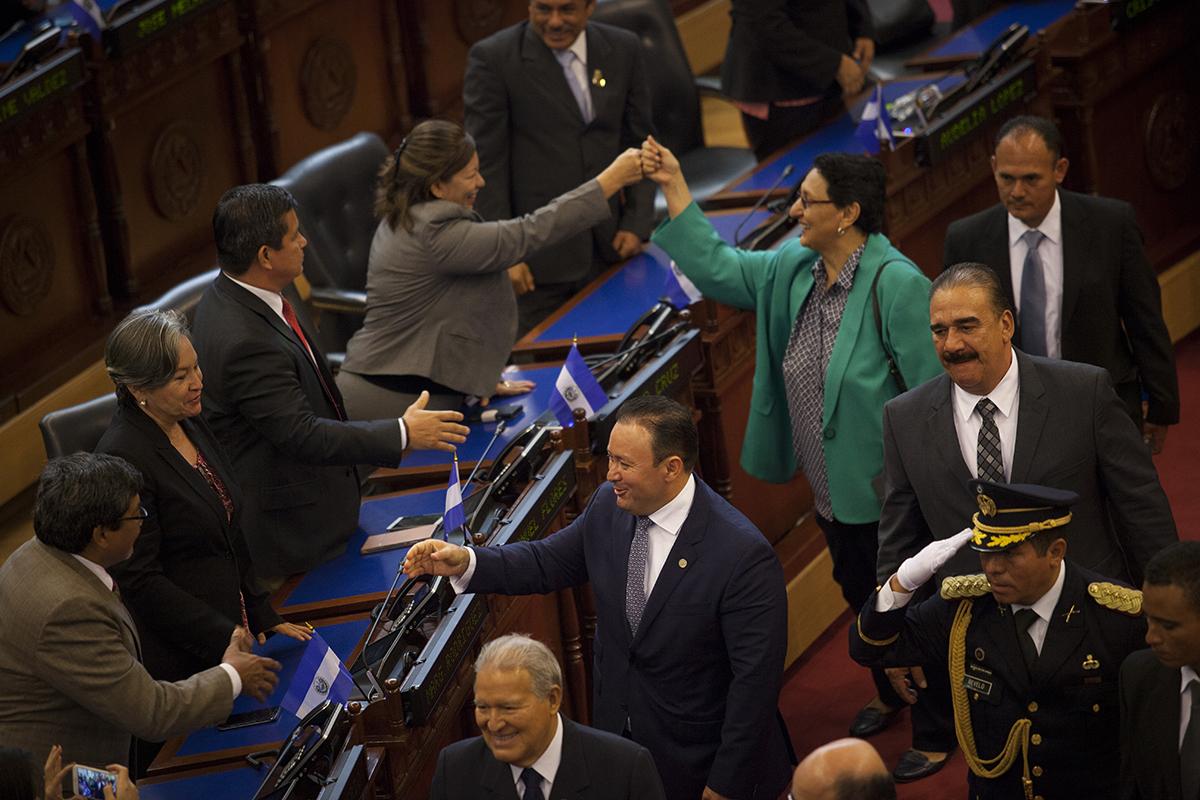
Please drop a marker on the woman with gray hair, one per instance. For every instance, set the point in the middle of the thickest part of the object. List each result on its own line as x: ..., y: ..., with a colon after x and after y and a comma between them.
x: 189, y: 581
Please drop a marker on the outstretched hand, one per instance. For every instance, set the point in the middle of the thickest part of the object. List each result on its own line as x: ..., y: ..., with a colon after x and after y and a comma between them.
x: 433, y: 557
x: 433, y: 430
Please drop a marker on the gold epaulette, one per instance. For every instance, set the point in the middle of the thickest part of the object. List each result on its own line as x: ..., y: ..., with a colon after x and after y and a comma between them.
x: 1118, y: 598
x: 958, y: 586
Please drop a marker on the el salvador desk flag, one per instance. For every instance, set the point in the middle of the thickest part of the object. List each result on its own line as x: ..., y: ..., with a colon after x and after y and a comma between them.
x: 679, y: 290
x: 453, y: 517
x: 876, y: 125
x: 319, y: 676
x: 576, y: 387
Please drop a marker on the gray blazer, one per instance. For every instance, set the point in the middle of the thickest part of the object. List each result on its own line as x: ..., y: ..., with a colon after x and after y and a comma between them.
x: 1072, y: 433
x: 439, y: 303
x: 70, y: 672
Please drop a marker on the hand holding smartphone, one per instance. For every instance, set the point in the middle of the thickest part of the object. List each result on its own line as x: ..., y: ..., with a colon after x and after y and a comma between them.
x: 90, y: 781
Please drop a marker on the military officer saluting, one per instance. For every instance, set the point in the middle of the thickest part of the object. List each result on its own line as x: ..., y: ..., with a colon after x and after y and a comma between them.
x: 1033, y: 647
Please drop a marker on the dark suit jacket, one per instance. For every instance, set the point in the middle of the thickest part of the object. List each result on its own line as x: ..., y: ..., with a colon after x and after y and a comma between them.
x: 534, y: 146
x: 1111, y: 311
x: 699, y: 684
x: 1072, y: 433
x: 292, y: 457
x: 595, y: 766
x: 190, y: 562
x: 789, y: 49
x: 1070, y: 696
x: 1149, y: 729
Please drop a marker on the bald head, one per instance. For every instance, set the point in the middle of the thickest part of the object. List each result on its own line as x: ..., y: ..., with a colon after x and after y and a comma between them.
x: 847, y: 768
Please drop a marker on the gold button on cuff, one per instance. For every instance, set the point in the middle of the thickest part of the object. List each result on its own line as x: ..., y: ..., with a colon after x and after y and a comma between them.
x: 1036, y: 738
x: 1096, y: 708
x: 1037, y: 772
x: 1033, y: 707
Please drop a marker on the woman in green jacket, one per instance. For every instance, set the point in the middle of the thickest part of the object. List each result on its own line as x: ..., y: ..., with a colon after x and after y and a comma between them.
x: 821, y: 373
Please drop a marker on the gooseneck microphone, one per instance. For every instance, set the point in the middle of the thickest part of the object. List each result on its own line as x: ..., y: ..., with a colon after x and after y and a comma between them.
x: 783, y: 176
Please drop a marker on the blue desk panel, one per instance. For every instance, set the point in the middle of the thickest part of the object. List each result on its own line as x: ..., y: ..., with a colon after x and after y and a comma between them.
x: 836, y: 137
x: 535, y: 403
x: 626, y: 295
x: 343, y: 637
x: 231, y: 784
x: 974, y: 39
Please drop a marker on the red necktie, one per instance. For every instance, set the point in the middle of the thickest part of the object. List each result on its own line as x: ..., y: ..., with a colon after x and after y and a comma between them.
x: 290, y: 316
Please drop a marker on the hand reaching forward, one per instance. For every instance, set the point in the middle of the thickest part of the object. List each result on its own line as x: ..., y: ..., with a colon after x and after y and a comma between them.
x: 433, y: 430
x: 257, y: 673
x: 433, y: 557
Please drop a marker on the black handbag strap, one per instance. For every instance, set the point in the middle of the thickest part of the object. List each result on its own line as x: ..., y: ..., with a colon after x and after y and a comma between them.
x: 891, y: 359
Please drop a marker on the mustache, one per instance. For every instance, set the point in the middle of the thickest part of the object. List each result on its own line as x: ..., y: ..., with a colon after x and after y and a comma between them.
x: 959, y: 358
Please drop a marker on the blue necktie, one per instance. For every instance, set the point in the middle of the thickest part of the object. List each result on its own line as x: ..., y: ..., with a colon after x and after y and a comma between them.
x: 568, y: 58
x: 635, y: 579
x: 1033, y: 297
x: 533, y: 784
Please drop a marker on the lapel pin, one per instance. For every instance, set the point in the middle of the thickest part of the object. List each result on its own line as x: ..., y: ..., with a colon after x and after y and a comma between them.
x: 1070, y: 611
x: 683, y: 563
x: 979, y: 654
x: 598, y: 79
x: 1090, y: 662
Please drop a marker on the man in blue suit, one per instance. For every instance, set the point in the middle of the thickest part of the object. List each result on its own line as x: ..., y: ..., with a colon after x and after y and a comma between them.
x: 691, y: 630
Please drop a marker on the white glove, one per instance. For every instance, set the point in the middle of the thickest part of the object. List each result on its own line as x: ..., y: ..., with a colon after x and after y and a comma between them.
x: 924, y: 565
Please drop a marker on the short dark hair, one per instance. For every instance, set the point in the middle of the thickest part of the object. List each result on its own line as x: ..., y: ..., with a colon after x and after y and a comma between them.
x: 864, y: 787
x: 973, y: 275
x: 672, y: 430
x: 76, y: 493
x: 246, y: 218
x: 142, y: 352
x: 1041, y: 126
x: 855, y: 179
x: 433, y: 151
x: 20, y: 776
x: 1177, y: 564
x: 1041, y: 541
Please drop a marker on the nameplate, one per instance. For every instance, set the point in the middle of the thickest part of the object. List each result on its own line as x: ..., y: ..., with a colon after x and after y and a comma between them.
x: 35, y: 89
x: 990, y: 103
x: 453, y: 639
x: 150, y: 21
x: 531, y: 516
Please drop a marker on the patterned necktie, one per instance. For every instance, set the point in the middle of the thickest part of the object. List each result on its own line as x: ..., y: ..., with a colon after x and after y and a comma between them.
x: 1033, y: 297
x: 577, y: 80
x: 294, y: 324
x: 533, y: 784
x: 1024, y: 619
x: 635, y: 580
x: 1189, y: 751
x: 989, y: 458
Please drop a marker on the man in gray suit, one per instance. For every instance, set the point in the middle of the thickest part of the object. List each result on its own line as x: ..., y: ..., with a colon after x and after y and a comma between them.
x: 69, y: 653
x: 550, y: 102
x: 1001, y: 415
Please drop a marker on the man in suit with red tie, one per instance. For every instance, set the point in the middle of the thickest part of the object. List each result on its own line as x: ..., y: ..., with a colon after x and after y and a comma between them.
x: 270, y: 396
x: 1160, y: 688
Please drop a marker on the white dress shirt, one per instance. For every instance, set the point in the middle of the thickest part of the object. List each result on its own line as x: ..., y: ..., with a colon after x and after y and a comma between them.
x: 274, y: 301
x: 1051, y: 253
x: 548, y: 761
x: 106, y: 579
x: 664, y: 530
x: 967, y: 422
x: 1186, y: 676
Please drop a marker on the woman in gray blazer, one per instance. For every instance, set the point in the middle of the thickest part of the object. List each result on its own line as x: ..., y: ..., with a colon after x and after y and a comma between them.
x: 441, y: 313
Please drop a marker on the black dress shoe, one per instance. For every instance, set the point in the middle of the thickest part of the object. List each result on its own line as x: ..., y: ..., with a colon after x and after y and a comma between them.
x: 913, y: 766
x: 870, y: 721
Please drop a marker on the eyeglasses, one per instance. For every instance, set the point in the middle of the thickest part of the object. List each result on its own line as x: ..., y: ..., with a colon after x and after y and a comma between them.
x: 805, y: 202
x: 142, y: 515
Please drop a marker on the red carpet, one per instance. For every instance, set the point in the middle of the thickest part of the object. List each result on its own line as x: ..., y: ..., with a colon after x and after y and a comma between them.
x: 825, y: 688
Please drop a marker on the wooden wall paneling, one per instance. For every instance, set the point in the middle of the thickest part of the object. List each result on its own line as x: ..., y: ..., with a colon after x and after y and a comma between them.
x: 170, y: 136
x: 322, y: 71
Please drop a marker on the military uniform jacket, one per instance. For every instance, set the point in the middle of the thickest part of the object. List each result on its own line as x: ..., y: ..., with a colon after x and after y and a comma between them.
x: 1070, y: 697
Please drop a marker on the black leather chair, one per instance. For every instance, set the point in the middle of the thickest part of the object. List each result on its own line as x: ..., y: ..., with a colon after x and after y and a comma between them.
x: 186, y: 296
x: 675, y: 95
x: 335, y: 190
x: 70, y: 430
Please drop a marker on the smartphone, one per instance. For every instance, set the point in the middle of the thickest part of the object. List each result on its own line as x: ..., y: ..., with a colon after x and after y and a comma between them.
x: 405, y: 521
x: 90, y: 782
x: 245, y: 719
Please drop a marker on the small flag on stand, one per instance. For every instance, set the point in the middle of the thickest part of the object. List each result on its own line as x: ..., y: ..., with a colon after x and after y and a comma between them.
x: 875, y: 126
x: 319, y: 676
x: 454, y: 517
x: 576, y: 387
x: 679, y: 289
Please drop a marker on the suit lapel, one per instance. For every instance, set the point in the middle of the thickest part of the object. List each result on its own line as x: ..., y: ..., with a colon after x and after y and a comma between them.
x: 1164, y: 700
x: 599, y: 60
x: 1066, y: 630
x: 109, y: 597
x: 994, y: 250
x: 682, y: 555
x: 940, y: 428
x: 543, y: 70
x: 1031, y: 417
x: 1076, y: 255
x: 497, y: 777
x: 572, y: 778
x: 859, y: 311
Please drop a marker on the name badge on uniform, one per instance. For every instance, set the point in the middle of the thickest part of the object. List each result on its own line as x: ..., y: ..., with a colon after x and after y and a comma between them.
x: 977, y: 684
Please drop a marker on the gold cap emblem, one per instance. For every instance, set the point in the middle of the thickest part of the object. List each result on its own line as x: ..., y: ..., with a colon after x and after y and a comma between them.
x: 987, y: 506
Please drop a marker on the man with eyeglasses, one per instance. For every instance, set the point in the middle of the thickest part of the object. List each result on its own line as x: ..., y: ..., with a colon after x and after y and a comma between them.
x: 550, y: 102
x: 691, y: 611
x: 528, y: 745
x: 70, y: 670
